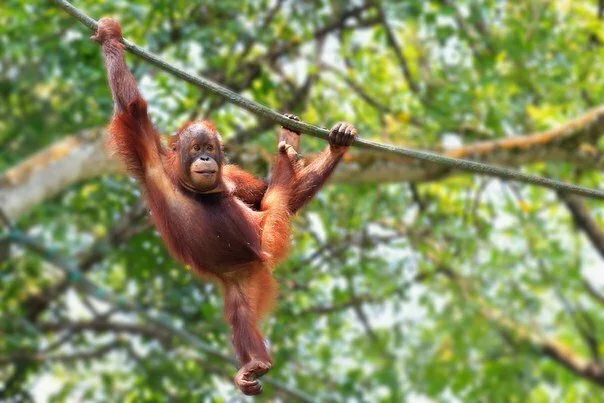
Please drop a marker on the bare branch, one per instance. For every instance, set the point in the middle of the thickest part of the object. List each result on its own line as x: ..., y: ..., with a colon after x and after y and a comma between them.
x: 520, y: 334
x: 125, y: 229
x: 64, y: 358
x: 593, y: 292
x: 50, y: 171
x: 571, y: 142
x: 584, y: 221
x: 351, y: 303
x: 360, y: 91
x: 104, y: 326
x: 38, y: 179
x: 476, y: 35
x: 398, y: 52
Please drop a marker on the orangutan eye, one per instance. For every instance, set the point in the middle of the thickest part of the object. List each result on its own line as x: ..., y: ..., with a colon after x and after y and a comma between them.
x: 196, y: 147
x: 210, y: 148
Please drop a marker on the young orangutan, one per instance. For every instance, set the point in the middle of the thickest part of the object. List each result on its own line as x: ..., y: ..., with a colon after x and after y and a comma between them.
x: 218, y: 219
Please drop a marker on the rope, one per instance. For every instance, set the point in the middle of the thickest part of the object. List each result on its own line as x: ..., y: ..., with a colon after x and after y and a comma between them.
x: 315, y: 131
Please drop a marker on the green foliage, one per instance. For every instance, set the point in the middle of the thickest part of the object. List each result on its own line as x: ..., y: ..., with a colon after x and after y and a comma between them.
x: 369, y: 309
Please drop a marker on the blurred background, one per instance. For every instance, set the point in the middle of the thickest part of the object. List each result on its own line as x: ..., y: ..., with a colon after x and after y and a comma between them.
x: 407, y: 281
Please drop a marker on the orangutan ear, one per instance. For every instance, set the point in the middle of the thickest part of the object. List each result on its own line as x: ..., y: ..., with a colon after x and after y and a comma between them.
x: 173, y: 143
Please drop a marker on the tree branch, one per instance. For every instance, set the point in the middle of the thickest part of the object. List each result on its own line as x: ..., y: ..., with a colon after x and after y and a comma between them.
x: 572, y: 142
x: 584, y: 221
x: 319, y: 132
x: 398, y: 52
x: 24, y: 186
x: 103, y: 326
x: 125, y: 229
x: 157, y: 318
x: 593, y: 292
x: 48, y: 172
x: 64, y: 358
x: 562, y: 354
x: 350, y: 303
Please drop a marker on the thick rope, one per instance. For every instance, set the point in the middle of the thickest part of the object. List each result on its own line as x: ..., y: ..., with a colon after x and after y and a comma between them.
x: 315, y: 131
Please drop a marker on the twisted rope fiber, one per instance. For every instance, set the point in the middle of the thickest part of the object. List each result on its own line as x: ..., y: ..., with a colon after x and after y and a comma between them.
x: 315, y: 131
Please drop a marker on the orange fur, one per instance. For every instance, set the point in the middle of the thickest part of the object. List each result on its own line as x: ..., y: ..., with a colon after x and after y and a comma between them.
x: 237, y: 231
